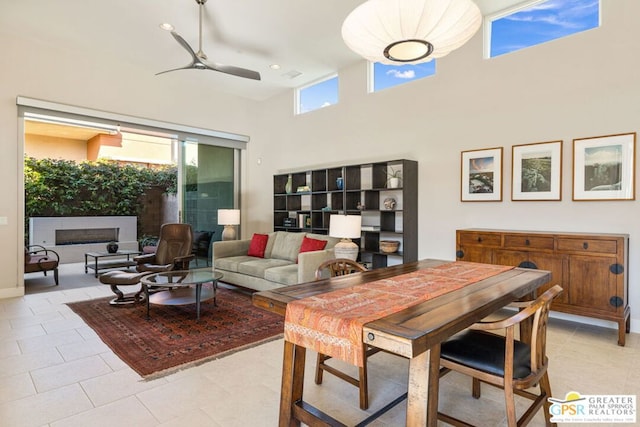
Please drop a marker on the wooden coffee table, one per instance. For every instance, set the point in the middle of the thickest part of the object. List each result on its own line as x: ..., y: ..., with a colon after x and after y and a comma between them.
x: 181, y: 287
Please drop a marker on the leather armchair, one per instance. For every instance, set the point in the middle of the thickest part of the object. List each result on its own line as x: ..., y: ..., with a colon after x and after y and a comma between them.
x: 173, y: 251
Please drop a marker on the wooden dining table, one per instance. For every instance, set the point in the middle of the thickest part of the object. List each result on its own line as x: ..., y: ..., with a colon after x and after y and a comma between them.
x: 415, y: 332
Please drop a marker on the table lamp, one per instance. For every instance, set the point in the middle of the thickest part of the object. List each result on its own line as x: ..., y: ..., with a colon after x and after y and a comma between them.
x: 229, y: 218
x: 345, y: 227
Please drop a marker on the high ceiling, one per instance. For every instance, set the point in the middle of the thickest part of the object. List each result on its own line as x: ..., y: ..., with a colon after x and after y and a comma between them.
x: 301, y: 36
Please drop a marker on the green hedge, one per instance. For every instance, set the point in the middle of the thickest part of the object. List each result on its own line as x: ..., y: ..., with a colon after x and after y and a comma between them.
x: 66, y: 188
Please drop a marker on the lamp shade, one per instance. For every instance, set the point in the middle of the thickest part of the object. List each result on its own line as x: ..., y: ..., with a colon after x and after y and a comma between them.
x: 228, y: 216
x: 410, y: 31
x: 345, y: 226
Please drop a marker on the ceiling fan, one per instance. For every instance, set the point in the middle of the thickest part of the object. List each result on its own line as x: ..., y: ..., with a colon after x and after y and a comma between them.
x: 198, y: 58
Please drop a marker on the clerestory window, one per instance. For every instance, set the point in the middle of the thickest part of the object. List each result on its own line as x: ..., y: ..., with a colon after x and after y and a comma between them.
x: 382, y: 76
x: 538, y: 22
x: 317, y: 95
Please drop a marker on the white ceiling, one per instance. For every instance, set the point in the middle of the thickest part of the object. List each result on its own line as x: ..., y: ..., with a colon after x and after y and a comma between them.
x: 299, y: 35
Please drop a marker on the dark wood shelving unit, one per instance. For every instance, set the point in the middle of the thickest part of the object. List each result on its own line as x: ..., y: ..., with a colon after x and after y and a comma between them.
x: 364, y: 189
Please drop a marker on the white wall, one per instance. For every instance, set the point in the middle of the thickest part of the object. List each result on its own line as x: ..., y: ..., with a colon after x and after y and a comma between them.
x: 35, y: 69
x: 584, y: 85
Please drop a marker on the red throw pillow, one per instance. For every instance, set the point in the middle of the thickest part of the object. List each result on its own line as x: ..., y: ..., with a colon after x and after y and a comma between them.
x: 309, y: 244
x: 258, y: 245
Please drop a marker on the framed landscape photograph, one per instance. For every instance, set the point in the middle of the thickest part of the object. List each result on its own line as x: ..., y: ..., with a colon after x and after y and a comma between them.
x: 537, y: 171
x: 604, y: 167
x: 481, y: 175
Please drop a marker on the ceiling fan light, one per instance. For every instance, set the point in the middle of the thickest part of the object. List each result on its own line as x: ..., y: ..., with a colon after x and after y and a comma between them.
x: 166, y: 26
x: 410, y: 31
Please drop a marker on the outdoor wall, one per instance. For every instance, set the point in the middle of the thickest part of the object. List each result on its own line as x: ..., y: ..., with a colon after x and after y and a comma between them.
x: 44, y: 231
x: 50, y: 147
x: 580, y: 86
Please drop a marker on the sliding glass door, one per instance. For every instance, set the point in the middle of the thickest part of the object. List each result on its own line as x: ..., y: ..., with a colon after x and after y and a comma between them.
x: 208, y: 182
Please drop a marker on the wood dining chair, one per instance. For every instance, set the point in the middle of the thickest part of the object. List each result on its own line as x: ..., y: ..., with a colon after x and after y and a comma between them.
x: 504, y: 361
x: 340, y: 267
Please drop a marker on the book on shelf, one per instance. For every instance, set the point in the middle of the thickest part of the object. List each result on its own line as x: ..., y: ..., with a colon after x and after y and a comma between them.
x: 370, y: 228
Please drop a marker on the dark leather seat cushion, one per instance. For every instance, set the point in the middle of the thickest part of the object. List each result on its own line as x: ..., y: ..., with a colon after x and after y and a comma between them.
x: 121, y: 278
x: 484, y: 351
x: 40, y: 263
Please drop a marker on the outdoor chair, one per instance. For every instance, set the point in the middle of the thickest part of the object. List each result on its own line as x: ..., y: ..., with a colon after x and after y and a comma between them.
x: 341, y: 267
x: 38, y: 258
x: 174, y: 250
x: 202, y: 245
x: 504, y: 361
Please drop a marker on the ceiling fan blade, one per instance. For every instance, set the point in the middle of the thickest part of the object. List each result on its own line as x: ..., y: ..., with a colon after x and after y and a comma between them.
x: 187, y: 67
x: 235, y: 71
x: 185, y: 45
x: 197, y: 58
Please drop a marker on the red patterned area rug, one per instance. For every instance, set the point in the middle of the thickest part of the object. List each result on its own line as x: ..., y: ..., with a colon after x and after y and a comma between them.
x: 172, y: 339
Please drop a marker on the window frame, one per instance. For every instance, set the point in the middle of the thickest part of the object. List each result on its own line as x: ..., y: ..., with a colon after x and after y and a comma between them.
x: 371, y: 75
x: 489, y: 19
x: 297, y: 93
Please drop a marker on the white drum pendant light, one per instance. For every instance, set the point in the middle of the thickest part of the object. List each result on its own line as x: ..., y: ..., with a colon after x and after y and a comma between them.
x: 410, y: 31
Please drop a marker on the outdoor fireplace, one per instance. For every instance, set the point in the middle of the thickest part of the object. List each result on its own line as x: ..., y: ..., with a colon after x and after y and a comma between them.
x: 78, y: 236
x: 73, y: 237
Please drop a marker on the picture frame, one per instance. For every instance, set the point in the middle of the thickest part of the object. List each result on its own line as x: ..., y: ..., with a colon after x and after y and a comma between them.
x: 604, y: 167
x: 537, y: 171
x: 481, y: 175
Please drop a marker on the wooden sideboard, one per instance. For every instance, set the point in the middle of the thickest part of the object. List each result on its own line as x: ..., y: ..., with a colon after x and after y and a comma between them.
x: 591, y: 268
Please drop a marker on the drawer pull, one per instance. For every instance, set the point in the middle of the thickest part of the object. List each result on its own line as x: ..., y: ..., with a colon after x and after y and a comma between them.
x: 270, y: 305
x: 370, y: 336
x: 585, y: 245
x: 479, y: 239
x: 528, y: 264
x: 615, y: 301
x: 527, y: 242
x: 459, y: 254
x: 616, y: 268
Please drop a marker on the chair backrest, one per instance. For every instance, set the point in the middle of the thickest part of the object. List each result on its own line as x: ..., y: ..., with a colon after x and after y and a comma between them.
x: 339, y: 267
x: 539, y: 310
x: 175, y: 240
x: 539, y: 329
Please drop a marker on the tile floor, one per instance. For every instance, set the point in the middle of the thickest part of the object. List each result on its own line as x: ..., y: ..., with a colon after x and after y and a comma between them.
x: 54, y: 371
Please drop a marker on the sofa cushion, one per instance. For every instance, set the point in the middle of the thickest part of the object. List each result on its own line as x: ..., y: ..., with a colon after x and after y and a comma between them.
x: 287, y: 245
x: 331, y: 241
x: 310, y: 245
x: 258, y: 245
x: 231, y: 263
x: 286, y: 274
x: 270, y: 242
x: 257, y: 266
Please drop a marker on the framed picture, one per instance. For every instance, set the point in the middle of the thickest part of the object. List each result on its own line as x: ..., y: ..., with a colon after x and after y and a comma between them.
x: 481, y: 175
x: 604, y: 167
x: 537, y: 171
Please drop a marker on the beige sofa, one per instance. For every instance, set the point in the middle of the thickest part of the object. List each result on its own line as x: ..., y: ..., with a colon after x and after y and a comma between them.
x: 278, y: 267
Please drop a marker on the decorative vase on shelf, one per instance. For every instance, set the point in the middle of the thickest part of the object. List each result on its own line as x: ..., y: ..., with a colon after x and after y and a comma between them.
x: 288, y: 185
x: 394, y: 182
x: 339, y: 183
x: 112, y: 247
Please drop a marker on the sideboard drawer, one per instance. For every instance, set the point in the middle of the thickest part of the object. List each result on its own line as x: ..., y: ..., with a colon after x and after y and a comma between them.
x: 479, y: 238
x: 528, y: 242
x: 588, y: 245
